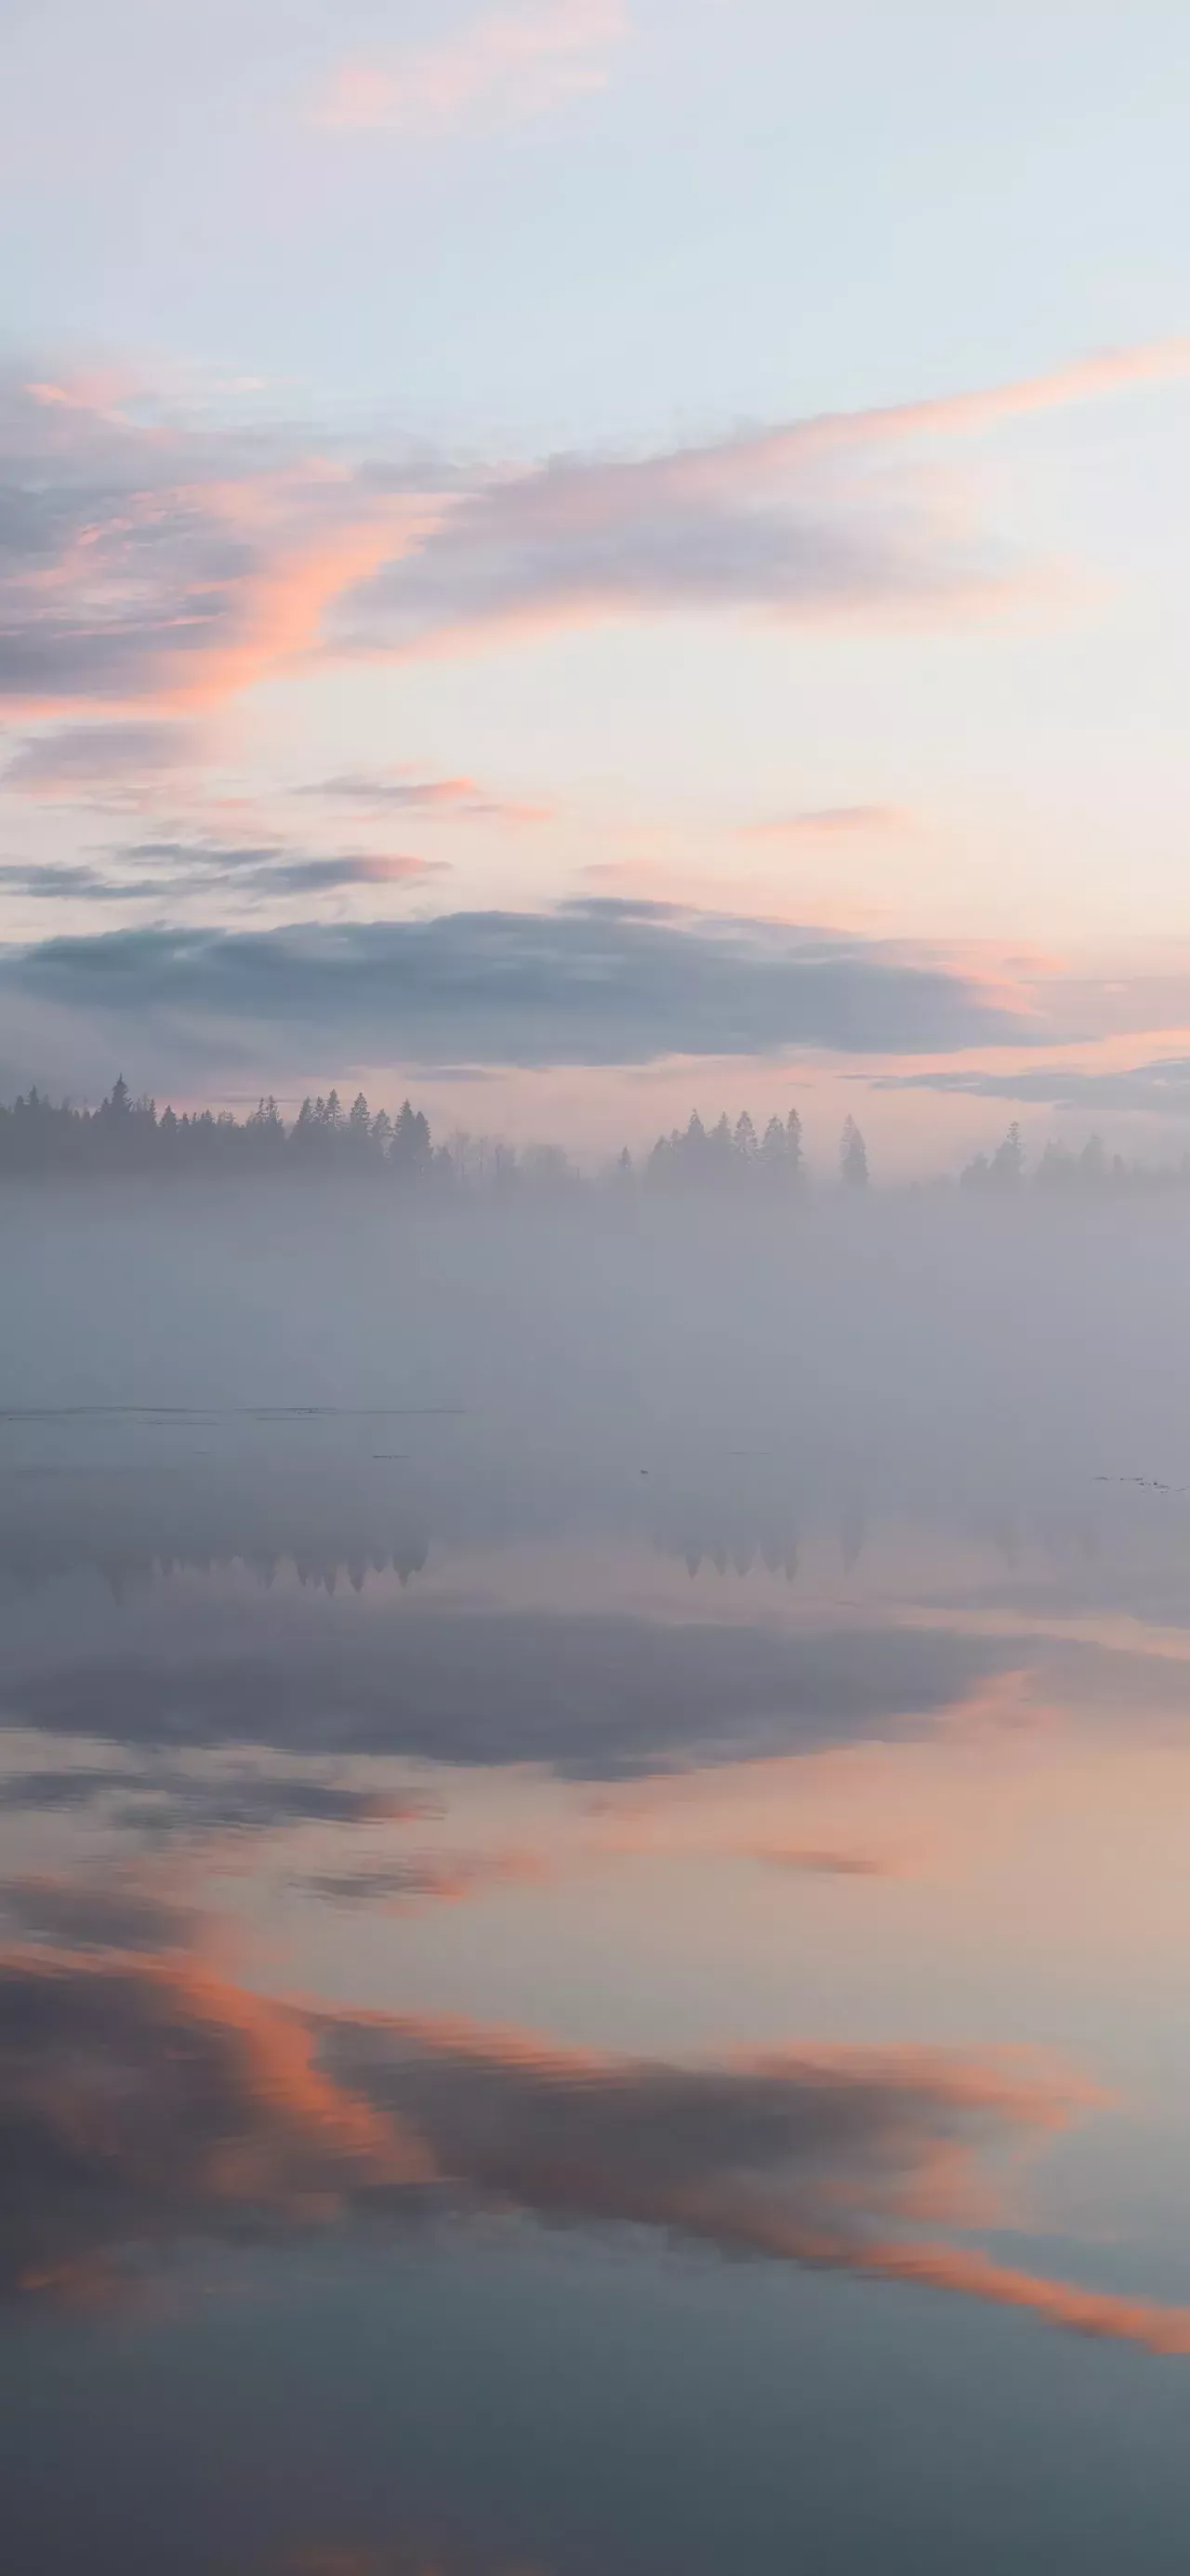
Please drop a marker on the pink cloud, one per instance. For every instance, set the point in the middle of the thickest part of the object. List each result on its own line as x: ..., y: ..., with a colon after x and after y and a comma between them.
x: 828, y: 822
x: 151, y: 565
x: 515, y: 63
x: 814, y: 521
x: 454, y: 798
x: 118, y: 764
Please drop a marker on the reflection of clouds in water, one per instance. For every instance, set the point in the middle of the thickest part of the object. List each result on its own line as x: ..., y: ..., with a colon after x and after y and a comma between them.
x: 398, y: 2558
x: 163, y: 1802
x: 80, y: 1914
x: 424, y: 1878
x: 590, y: 1696
x: 827, y: 1860
x: 145, y: 2102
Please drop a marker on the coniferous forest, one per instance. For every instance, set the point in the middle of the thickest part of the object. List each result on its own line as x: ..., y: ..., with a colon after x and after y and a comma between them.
x: 127, y: 1137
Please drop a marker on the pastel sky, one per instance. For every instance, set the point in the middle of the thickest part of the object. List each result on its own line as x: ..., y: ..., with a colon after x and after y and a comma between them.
x: 587, y: 556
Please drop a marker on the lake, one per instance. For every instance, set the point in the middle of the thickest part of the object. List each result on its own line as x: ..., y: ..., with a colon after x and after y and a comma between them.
x: 568, y: 2011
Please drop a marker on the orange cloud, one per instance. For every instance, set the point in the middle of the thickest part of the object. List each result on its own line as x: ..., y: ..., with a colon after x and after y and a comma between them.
x: 281, y: 601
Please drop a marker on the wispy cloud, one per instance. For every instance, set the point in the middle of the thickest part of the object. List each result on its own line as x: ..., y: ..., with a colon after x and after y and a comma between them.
x: 78, y: 764
x: 1161, y: 1089
x: 827, y: 823
x: 119, y: 1913
x: 261, y: 872
x: 151, y: 566
x: 448, y: 799
x: 424, y: 1878
x: 827, y: 1860
x: 171, y: 1803
x: 504, y: 66
x: 816, y: 519
x: 53, y: 884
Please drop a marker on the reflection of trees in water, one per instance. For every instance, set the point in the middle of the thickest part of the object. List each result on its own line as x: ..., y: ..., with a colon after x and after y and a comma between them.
x: 1052, y: 1534
x: 756, y: 1530
x: 742, y: 1557
x: 329, y: 1528
x: 736, y: 1536
x: 853, y: 1532
x: 33, y: 1559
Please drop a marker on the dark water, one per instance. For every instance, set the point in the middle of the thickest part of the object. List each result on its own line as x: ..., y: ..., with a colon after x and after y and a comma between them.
x: 617, y: 2010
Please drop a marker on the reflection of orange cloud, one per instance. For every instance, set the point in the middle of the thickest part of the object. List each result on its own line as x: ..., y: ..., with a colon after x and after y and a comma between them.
x: 827, y: 1861
x: 180, y: 2106
x: 1158, y: 2329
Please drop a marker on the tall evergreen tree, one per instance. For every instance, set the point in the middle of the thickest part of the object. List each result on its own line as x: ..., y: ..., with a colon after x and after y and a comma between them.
x: 853, y: 1157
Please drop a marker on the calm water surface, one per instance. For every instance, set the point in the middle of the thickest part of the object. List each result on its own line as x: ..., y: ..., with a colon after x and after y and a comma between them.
x: 617, y: 2010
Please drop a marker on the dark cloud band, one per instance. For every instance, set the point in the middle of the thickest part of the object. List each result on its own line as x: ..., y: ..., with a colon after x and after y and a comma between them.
x: 1160, y: 1089
x: 595, y: 983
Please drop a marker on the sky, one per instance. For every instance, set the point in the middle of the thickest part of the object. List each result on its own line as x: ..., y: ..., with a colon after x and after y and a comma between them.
x: 587, y: 557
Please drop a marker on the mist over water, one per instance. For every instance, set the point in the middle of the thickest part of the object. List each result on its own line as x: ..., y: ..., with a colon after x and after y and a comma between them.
x: 909, y: 1326
x: 591, y: 1883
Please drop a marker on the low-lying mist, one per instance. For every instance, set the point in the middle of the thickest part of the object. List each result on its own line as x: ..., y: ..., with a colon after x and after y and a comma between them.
x: 908, y: 1334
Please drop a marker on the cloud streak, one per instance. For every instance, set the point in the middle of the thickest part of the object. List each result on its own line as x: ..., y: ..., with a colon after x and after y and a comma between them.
x: 433, y: 799
x: 815, y: 520
x: 79, y: 762
x: 169, y: 1803
x: 268, y: 871
x: 503, y: 67
x: 827, y: 823
x: 1159, y: 1089
x: 425, y: 1878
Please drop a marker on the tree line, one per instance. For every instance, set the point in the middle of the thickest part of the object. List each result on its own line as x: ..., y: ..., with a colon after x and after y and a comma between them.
x: 128, y: 1136
x: 125, y: 1136
x: 698, y: 1156
x: 1059, y: 1167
